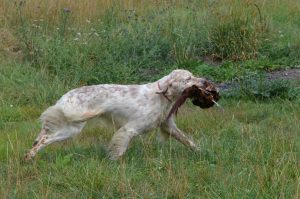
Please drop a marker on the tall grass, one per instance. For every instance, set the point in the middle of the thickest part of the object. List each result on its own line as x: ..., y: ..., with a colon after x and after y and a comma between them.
x: 74, y: 43
x: 113, y: 41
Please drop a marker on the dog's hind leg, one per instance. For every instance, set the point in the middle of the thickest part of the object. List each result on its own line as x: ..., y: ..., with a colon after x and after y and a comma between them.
x: 45, y: 139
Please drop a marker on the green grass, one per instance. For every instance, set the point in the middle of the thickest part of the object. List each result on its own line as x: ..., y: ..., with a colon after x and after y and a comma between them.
x: 251, y: 150
x: 247, y: 151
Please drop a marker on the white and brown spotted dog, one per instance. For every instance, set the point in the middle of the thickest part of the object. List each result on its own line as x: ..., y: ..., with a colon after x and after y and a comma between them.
x: 135, y: 109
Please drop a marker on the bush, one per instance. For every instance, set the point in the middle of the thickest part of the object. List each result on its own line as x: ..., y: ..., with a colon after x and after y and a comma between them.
x: 238, y: 34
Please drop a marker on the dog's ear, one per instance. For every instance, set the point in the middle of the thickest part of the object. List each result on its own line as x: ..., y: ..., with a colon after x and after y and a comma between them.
x: 164, y: 86
x: 170, y: 88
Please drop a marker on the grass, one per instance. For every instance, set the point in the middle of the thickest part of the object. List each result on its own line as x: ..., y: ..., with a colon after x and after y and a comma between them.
x: 248, y: 151
x: 74, y: 39
x: 251, y: 150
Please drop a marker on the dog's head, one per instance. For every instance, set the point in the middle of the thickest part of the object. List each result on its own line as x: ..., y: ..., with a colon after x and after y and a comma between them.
x: 202, y: 92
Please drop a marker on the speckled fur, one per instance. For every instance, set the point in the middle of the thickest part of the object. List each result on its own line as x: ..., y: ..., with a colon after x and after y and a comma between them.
x: 136, y: 109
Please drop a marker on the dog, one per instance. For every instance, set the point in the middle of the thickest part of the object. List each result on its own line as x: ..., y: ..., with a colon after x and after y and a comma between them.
x: 135, y: 109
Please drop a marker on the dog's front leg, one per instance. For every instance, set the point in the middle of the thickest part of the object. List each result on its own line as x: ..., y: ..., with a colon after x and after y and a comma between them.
x: 169, y: 128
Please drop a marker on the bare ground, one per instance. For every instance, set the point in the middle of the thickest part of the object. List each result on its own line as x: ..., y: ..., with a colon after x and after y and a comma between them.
x: 290, y: 74
x: 283, y: 74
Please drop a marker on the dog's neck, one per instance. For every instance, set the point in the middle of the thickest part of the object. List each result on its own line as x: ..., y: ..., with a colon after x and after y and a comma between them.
x: 164, y: 88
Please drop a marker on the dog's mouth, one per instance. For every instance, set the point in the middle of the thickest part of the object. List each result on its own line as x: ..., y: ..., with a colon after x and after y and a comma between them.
x: 205, y: 97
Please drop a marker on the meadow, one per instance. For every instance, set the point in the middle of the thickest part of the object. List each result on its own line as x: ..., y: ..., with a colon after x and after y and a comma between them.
x: 249, y: 150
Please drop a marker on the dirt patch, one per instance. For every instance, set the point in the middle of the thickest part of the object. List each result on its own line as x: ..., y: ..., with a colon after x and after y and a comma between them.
x: 289, y: 74
x: 284, y: 74
x: 212, y: 60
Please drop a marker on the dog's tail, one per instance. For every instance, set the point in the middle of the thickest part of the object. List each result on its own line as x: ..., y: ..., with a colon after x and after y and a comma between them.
x: 53, y: 119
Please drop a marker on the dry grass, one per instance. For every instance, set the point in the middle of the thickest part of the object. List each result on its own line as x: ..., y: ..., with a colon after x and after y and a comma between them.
x: 93, y: 10
x: 230, y: 29
x: 82, y: 11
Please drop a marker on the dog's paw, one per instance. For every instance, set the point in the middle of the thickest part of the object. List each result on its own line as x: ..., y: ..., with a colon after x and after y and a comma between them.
x: 27, y: 157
